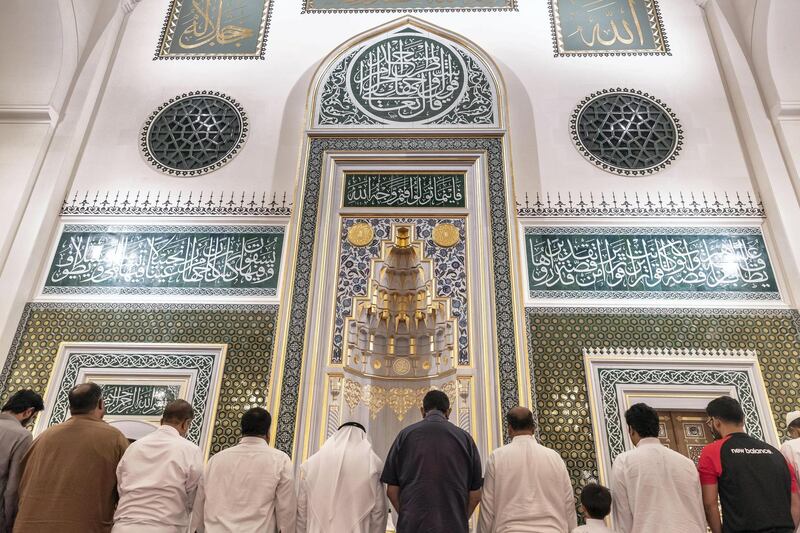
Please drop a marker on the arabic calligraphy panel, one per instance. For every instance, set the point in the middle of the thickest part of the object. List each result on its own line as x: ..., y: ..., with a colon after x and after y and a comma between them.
x: 404, y: 190
x: 716, y: 263
x: 215, y: 29
x: 343, y: 6
x: 138, y: 399
x: 407, y: 78
x: 607, y: 27
x: 220, y: 260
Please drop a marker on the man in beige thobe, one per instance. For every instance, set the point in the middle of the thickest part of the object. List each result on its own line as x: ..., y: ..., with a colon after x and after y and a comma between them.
x: 69, y: 475
x: 791, y: 448
x: 15, y: 441
x: 655, y: 489
x: 526, y: 487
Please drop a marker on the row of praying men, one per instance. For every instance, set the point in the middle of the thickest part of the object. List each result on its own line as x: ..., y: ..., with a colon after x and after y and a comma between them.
x: 83, y: 476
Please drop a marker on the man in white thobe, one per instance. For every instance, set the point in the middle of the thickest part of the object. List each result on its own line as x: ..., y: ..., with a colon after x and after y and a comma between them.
x: 158, y: 475
x: 526, y: 487
x: 655, y: 489
x: 340, y: 487
x: 248, y: 488
x: 791, y: 448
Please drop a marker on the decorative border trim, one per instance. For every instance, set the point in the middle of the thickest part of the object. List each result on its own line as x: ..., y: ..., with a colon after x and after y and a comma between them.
x: 144, y: 141
x: 292, y: 360
x: 95, y: 306
x: 642, y: 230
x: 236, y: 204
x: 589, y: 156
x: 555, y: 31
x: 639, y: 352
x: 168, y: 32
x: 642, y: 207
x: 305, y: 9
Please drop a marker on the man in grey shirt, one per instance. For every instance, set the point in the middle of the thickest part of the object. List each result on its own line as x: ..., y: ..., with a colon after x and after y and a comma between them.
x: 15, y: 440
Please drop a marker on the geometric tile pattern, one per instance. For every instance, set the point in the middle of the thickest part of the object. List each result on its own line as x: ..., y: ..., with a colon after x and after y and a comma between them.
x: 292, y: 358
x: 385, y: 6
x: 626, y: 132
x: 194, y: 133
x: 248, y: 330
x: 558, y: 336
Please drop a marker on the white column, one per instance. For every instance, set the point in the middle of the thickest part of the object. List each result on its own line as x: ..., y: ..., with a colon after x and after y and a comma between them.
x: 772, y: 179
x: 26, y: 255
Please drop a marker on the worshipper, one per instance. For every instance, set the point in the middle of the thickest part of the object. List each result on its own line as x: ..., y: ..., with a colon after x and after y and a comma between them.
x: 595, y: 506
x: 69, y: 476
x: 433, y: 472
x: 15, y: 440
x: 527, y: 487
x: 655, y: 489
x: 248, y: 488
x: 158, y: 476
x: 340, y: 488
x: 791, y: 448
x: 756, y: 487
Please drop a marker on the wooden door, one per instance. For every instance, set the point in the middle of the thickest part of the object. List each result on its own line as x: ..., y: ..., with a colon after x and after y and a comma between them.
x: 685, y: 432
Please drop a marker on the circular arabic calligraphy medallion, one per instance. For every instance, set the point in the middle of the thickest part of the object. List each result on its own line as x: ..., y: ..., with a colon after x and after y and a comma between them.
x: 360, y: 234
x: 446, y: 235
x: 407, y: 78
x: 401, y: 366
x: 626, y: 132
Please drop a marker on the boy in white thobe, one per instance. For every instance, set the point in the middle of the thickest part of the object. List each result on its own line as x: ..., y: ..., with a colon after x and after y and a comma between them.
x: 340, y: 487
x: 791, y: 448
x: 655, y: 489
x: 526, y: 487
x: 158, y: 476
x: 596, y: 506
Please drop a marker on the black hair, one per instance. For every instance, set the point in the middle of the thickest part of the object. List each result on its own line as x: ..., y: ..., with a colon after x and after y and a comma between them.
x: 177, y: 412
x: 256, y: 422
x: 22, y: 400
x: 354, y: 424
x: 84, y: 398
x: 521, y: 420
x: 643, y: 419
x: 795, y: 423
x: 726, y: 409
x: 596, y: 499
x: 437, y: 400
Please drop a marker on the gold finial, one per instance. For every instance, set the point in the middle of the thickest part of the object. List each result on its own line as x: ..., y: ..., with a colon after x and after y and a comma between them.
x: 402, y: 237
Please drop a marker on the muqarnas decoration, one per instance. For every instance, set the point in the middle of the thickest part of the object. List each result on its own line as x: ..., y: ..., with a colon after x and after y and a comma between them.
x: 626, y: 132
x: 194, y: 133
x: 364, y: 6
x: 607, y: 27
x: 215, y: 29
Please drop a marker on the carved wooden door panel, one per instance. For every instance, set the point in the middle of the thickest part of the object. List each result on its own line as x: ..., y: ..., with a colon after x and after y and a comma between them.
x: 685, y: 432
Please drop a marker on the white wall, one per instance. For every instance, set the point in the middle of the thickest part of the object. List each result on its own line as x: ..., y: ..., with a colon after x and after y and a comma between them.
x: 543, y: 92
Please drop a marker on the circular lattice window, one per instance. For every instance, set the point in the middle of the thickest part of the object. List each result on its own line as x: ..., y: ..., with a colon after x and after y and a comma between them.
x: 626, y: 132
x: 194, y: 133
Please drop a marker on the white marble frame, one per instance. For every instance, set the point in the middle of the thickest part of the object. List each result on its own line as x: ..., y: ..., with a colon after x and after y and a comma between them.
x: 674, y: 396
x: 190, y: 376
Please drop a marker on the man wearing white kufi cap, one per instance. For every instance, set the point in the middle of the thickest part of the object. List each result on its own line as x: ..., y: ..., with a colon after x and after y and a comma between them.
x: 340, y: 488
x: 791, y: 448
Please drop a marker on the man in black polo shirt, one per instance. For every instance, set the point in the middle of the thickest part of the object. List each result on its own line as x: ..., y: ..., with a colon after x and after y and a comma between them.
x: 433, y: 472
x: 756, y: 487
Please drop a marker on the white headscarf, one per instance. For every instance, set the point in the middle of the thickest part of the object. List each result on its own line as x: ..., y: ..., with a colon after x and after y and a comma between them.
x: 341, y: 479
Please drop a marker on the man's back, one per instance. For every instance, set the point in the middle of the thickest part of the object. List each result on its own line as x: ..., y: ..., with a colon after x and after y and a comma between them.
x: 528, y: 489
x: 157, y: 479
x: 436, y: 464
x: 656, y: 490
x: 69, y: 479
x: 754, y: 482
x: 247, y: 488
x: 14, y: 442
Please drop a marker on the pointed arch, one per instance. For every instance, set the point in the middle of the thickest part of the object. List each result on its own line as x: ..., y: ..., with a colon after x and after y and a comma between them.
x: 407, y: 74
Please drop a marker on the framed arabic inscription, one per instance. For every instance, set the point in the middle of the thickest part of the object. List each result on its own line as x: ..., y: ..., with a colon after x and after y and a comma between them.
x: 215, y: 29
x: 200, y: 260
x: 404, y: 190
x: 363, y: 6
x: 607, y: 27
x: 604, y: 262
